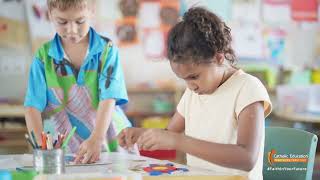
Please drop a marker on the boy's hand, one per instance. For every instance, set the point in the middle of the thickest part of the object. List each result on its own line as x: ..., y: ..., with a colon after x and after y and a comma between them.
x: 158, y: 139
x: 89, y: 151
x: 129, y: 136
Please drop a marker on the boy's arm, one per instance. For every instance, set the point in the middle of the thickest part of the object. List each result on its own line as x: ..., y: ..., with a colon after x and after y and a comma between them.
x: 104, y: 113
x: 242, y: 155
x: 36, y: 98
x: 34, y: 122
x: 90, y: 149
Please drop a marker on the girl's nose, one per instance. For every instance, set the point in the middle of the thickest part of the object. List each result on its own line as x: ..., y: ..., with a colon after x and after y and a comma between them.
x: 192, y: 86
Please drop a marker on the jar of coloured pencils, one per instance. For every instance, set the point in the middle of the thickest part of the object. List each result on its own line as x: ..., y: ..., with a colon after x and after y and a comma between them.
x: 49, y: 161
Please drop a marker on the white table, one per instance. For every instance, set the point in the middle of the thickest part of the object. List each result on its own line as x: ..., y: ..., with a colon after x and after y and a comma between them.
x: 115, y: 163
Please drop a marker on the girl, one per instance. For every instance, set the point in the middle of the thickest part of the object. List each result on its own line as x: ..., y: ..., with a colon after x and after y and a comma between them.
x: 222, y: 110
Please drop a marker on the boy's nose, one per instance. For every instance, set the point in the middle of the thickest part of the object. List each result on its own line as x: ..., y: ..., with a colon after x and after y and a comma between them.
x: 72, y: 28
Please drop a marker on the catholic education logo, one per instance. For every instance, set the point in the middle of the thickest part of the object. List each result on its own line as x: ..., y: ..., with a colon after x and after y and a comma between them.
x: 273, y: 157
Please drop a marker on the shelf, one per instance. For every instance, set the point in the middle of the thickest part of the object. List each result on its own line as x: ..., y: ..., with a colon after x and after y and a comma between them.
x: 303, y: 117
x: 13, y: 143
x: 154, y: 90
x: 13, y: 130
x: 8, y: 111
x: 147, y: 114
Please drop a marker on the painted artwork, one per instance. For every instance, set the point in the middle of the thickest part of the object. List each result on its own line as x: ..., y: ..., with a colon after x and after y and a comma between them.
x: 41, y: 29
x: 13, y: 26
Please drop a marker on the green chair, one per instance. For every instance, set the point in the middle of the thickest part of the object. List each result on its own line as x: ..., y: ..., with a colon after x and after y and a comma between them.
x: 285, y: 144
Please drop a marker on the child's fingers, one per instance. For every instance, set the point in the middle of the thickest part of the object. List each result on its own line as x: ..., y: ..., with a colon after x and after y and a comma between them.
x: 146, y: 145
x: 141, y: 141
x: 94, y: 158
x: 86, y: 158
x: 79, y: 155
x: 130, y: 138
x: 122, y: 139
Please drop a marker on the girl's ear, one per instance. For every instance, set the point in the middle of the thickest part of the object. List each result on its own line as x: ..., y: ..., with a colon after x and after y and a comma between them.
x: 219, y: 58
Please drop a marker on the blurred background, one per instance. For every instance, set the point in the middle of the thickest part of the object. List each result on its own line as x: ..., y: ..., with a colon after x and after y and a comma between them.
x: 277, y: 41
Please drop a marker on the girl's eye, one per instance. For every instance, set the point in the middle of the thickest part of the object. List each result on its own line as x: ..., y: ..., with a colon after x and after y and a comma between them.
x: 194, y: 77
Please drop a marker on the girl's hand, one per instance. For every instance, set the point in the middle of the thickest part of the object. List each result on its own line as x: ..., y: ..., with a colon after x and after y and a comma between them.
x: 155, y: 139
x: 129, y: 136
x: 89, y: 151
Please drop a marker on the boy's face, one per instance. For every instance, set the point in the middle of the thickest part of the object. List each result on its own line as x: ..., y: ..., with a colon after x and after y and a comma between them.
x: 200, y: 78
x: 72, y: 24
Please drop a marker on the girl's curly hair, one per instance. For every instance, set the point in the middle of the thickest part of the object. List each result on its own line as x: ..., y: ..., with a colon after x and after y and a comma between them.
x: 198, y: 37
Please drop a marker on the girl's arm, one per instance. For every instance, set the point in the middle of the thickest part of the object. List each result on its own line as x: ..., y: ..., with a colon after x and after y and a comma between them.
x: 34, y: 122
x: 242, y: 155
x: 176, y: 123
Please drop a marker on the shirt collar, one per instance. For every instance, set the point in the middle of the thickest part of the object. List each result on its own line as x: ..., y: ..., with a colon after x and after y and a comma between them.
x: 96, y: 45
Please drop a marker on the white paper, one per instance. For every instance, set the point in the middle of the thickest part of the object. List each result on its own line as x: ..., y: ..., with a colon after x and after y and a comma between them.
x: 149, y: 15
x: 248, y: 40
x: 154, y: 44
x: 40, y: 27
x: 276, y: 13
x: 12, y: 9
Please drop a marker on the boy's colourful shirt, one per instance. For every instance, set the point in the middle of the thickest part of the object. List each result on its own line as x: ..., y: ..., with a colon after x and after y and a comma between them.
x: 71, y: 97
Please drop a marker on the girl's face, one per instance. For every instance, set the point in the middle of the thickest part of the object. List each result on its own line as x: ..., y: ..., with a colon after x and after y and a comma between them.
x: 72, y: 24
x: 200, y: 78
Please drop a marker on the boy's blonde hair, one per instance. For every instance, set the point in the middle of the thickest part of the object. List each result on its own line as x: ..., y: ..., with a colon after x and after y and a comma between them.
x: 66, y: 4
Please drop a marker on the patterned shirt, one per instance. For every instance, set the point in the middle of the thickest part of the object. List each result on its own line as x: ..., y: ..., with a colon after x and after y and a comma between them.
x: 71, y: 96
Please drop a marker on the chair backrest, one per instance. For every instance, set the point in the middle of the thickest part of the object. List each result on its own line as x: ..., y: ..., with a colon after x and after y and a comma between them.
x: 289, y: 154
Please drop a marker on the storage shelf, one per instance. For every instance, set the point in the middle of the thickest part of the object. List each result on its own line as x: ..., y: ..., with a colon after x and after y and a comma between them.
x: 147, y: 114
x: 13, y: 143
x: 154, y: 90
x: 10, y: 111
x: 13, y: 130
x: 297, y: 117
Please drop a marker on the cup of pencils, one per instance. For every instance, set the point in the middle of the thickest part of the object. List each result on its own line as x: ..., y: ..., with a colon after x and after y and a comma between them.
x: 49, y: 161
x: 48, y: 158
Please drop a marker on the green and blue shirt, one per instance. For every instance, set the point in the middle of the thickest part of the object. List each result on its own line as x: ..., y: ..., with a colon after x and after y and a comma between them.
x: 70, y: 96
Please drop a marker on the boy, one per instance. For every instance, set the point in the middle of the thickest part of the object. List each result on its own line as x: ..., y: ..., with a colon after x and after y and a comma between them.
x: 77, y: 79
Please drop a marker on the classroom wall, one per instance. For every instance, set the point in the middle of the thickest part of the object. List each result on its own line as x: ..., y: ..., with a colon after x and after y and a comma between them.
x: 300, y: 50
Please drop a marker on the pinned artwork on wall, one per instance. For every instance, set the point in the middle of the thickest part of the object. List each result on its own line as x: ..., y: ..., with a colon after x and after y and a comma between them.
x: 275, y: 44
x: 126, y: 26
x: 156, y: 19
x: 153, y: 43
x: 248, y: 40
x: 276, y: 11
x: 13, y: 26
x: 169, y: 12
x: 126, y: 31
x: 129, y: 7
x: 39, y: 24
x: 246, y: 10
x: 304, y: 10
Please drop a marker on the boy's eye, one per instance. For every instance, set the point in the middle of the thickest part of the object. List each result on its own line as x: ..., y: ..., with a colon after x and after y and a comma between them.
x: 81, y: 21
x: 62, y: 22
